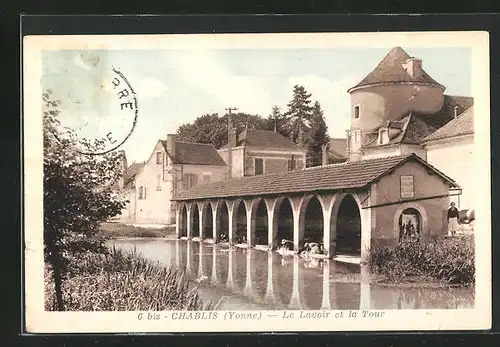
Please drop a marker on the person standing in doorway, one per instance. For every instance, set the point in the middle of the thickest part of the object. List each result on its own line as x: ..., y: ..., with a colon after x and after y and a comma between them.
x: 452, y: 220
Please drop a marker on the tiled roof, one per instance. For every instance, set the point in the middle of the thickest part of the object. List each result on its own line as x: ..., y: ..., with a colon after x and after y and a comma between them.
x: 391, y: 70
x: 264, y: 138
x: 415, y: 126
x: 350, y: 175
x: 195, y: 154
x: 132, y: 171
x: 462, y: 125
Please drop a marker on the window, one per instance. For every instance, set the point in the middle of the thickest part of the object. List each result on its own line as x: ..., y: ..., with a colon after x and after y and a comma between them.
x: 259, y: 166
x: 382, y: 136
x: 356, y: 112
x: 189, y: 180
x: 292, y: 164
x: 142, y: 193
x: 159, y: 157
x: 407, y: 187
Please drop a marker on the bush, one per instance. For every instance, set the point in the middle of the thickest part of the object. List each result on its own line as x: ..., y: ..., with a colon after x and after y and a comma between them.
x: 123, y: 281
x: 450, y: 260
x: 115, y: 230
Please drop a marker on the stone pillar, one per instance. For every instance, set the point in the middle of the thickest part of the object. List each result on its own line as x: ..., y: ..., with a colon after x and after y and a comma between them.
x: 327, y: 202
x: 298, y: 222
x: 366, y: 228
x: 365, y: 290
x: 189, y: 221
x: 296, y: 301
x: 272, y: 222
x: 230, y: 277
x: 200, y: 260
x: 215, y: 221
x: 202, y: 212
x: 271, y: 297
x: 248, y: 290
x: 177, y: 253
x: 231, y: 207
x: 214, y: 266
x: 251, y: 210
x: 189, y: 253
x: 325, y: 301
x: 178, y: 220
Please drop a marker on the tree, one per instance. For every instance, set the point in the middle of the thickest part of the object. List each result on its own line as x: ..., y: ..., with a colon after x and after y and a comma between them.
x: 277, y: 121
x: 211, y: 128
x: 79, y: 195
x: 317, y: 136
x: 299, y: 112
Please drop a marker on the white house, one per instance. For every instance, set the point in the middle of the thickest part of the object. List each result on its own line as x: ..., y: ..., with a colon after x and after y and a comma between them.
x: 451, y: 149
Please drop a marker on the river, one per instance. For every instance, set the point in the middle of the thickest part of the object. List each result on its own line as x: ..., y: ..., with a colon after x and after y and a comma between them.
x: 235, y: 278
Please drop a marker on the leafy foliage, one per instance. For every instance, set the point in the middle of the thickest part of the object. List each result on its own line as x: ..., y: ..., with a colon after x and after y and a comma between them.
x: 317, y: 136
x: 123, y: 281
x: 79, y: 194
x: 445, y: 259
x: 299, y: 113
x: 210, y: 128
x: 278, y: 121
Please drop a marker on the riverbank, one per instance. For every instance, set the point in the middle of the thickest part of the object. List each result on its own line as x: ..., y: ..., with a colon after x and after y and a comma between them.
x: 123, y: 281
x: 442, y: 261
x: 113, y: 230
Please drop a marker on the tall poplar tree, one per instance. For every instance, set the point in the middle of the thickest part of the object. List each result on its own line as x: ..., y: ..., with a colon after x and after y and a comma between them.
x: 299, y: 112
x: 317, y: 136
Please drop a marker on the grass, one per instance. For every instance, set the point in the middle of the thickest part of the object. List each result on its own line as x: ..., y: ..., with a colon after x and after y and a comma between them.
x: 123, y: 281
x: 446, y: 260
x: 117, y: 230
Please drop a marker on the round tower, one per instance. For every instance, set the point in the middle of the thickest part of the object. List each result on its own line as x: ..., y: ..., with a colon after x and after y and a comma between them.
x: 398, y: 85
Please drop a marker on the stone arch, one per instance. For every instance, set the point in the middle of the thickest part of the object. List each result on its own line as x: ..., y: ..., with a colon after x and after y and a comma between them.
x: 206, y: 213
x: 195, y: 221
x: 220, y: 221
x: 183, y: 219
x: 259, y: 214
x: 283, y: 219
x: 347, y: 224
x: 424, y: 231
x: 240, y: 217
x: 312, y: 213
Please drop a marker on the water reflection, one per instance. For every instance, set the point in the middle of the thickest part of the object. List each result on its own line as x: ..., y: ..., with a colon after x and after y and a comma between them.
x: 277, y: 282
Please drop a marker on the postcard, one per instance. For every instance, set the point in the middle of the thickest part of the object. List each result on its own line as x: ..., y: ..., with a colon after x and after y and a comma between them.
x: 279, y: 182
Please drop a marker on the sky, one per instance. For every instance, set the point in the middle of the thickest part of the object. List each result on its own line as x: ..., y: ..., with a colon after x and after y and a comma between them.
x: 174, y: 87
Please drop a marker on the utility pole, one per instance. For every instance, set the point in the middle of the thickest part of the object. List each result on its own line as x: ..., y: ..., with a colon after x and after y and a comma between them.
x: 230, y: 136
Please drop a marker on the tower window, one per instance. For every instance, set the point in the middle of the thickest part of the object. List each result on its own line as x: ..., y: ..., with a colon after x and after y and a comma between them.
x: 382, y: 136
x: 356, y: 112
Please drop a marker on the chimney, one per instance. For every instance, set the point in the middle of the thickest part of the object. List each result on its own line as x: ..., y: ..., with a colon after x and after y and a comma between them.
x: 171, y: 145
x: 348, y: 144
x: 324, y: 154
x: 414, y: 67
x: 301, y: 135
x: 455, y: 112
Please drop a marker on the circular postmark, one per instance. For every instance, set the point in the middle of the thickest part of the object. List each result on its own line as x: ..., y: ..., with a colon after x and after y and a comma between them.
x: 108, y: 118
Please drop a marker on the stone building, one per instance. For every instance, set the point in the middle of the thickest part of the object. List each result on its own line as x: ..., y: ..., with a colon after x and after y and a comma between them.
x: 172, y: 167
x: 394, y: 180
x: 257, y: 152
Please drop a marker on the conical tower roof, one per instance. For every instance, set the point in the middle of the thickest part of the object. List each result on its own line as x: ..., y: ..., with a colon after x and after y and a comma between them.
x: 391, y: 70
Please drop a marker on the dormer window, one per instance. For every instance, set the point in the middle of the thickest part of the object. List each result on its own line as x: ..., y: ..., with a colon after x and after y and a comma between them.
x: 383, y: 136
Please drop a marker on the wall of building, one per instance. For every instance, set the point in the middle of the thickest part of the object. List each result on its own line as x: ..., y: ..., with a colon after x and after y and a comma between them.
x: 455, y: 158
x: 385, y: 219
x: 274, y: 161
x: 380, y: 152
x: 389, y: 102
x: 155, y: 178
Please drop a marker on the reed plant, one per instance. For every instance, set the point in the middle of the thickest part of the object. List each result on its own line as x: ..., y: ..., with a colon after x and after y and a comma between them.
x: 444, y: 259
x: 124, y: 281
